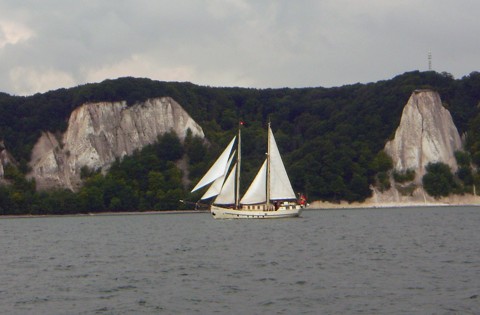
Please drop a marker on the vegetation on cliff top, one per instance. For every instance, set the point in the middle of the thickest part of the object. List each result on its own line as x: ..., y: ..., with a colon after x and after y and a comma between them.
x: 329, y: 137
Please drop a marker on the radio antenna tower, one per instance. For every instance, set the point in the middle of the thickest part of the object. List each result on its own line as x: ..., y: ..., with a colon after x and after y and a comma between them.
x: 429, y: 61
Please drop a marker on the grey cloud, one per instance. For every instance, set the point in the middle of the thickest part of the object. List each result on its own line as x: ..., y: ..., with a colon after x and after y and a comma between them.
x: 237, y: 42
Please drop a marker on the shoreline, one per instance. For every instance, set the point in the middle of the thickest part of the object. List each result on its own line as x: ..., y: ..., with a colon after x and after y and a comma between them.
x: 320, y: 205
x: 392, y: 199
x: 315, y: 205
x: 99, y: 214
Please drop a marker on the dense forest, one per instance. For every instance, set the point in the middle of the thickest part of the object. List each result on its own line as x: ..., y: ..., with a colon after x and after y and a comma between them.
x: 331, y: 138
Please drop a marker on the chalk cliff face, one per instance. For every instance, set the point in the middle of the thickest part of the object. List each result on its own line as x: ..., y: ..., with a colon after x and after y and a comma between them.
x: 426, y: 134
x: 5, y: 159
x: 99, y: 133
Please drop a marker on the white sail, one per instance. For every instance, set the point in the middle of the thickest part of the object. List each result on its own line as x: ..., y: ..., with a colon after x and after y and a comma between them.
x: 227, y: 194
x: 218, y: 169
x: 280, y: 186
x: 257, y: 192
x: 216, y: 186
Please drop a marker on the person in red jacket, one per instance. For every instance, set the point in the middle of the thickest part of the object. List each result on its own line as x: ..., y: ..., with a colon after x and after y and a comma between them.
x: 302, y: 200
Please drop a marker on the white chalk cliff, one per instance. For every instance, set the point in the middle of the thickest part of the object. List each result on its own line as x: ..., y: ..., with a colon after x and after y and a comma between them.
x: 426, y: 134
x: 98, y: 133
x: 5, y: 159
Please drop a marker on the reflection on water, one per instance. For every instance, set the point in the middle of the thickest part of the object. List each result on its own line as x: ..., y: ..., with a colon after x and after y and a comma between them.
x: 395, y: 261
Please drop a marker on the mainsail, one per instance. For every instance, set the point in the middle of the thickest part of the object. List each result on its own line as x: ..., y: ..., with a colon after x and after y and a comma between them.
x: 279, y: 184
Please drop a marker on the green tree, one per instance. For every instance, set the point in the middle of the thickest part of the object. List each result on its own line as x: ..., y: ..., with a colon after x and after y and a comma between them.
x: 195, y: 149
x: 358, y: 188
x: 402, y: 177
x: 383, y: 181
x: 465, y: 174
x: 463, y: 158
x: 169, y: 147
x: 382, y: 162
x: 438, y: 180
x: 381, y: 165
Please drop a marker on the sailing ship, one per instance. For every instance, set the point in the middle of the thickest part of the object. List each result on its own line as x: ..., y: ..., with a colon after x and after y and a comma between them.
x: 269, y: 196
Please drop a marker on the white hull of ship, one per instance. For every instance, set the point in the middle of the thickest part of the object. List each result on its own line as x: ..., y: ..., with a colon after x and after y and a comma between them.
x: 229, y: 213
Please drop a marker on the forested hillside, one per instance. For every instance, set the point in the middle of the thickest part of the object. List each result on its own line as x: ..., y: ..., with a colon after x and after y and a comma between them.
x: 329, y: 137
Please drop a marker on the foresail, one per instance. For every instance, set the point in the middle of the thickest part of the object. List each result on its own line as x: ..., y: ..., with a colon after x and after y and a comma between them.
x: 216, y: 186
x: 227, y: 194
x: 257, y: 192
x: 280, y: 186
x: 218, y: 169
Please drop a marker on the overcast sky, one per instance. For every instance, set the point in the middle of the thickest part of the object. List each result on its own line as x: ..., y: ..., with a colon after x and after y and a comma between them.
x: 49, y: 44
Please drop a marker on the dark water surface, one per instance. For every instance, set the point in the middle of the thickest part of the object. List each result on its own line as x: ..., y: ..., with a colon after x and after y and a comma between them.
x: 370, y: 261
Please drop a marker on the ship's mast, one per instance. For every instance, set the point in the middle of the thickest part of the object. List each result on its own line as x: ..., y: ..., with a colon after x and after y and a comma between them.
x: 268, y: 165
x: 239, y: 155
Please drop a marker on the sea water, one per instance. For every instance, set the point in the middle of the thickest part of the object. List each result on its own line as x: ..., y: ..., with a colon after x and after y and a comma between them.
x: 362, y: 261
